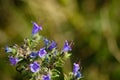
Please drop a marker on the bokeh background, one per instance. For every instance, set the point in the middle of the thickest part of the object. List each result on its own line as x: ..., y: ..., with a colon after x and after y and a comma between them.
x: 93, y: 26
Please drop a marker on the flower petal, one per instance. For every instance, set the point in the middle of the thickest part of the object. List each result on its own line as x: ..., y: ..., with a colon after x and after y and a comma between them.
x: 36, y: 28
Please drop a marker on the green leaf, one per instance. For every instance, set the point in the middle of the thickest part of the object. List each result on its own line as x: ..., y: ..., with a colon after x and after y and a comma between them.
x: 67, y: 55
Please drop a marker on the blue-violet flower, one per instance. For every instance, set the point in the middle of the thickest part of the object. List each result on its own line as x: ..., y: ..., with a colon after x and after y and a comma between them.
x: 52, y: 45
x: 46, y: 77
x: 76, y: 67
x: 42, y: 52
x: 36, y: 28
x: 8, y: 49
x: 46, y: 42
x: 33, y: 54
x: 66, y: 47
x: 13, y: 61
x: 34, y: 67
x: 78, y: 75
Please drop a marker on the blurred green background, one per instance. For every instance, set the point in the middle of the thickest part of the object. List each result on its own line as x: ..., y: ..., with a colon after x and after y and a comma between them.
x: 93, y: 25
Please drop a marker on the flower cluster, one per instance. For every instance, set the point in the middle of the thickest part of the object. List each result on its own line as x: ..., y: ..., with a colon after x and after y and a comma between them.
x: 42, y: 63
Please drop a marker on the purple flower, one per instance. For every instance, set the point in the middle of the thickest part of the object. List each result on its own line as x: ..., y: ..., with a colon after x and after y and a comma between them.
x: 46, y: 77
x: 66, y: 47
x: 52, y: 45
x: 34, y: 67
x: 36, y: 28
x: 8, y: 49
x: 42, y: 52
x: 78, y: 75
x: 33, y: 54
x: 76, y: 67
x: 46, y: 42
x: 13, y: 61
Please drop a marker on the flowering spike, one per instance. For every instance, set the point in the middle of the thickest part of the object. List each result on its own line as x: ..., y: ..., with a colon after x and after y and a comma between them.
x: 66, y: 47
x: 13, y: 60
x: 34, y: 67
x: 42, y: 52
x: 41, y: 64
x: 36, y: 28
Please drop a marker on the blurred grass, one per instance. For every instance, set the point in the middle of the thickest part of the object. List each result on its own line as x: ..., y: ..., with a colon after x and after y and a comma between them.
x: 93, y: 25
